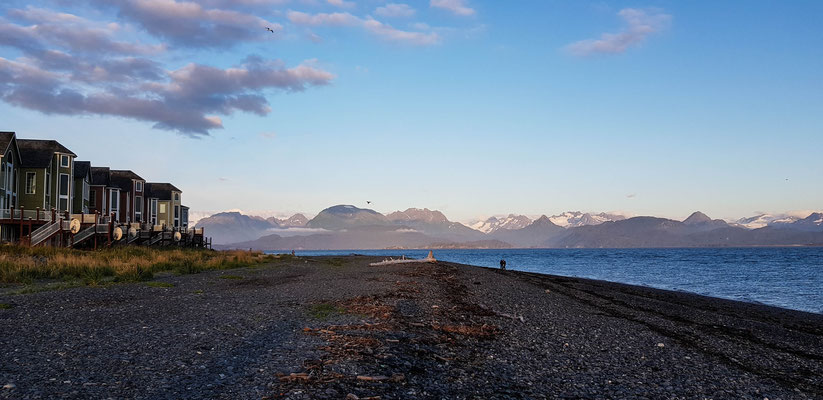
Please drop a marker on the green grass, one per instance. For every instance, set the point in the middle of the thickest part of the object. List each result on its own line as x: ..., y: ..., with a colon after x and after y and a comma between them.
x: 324, y: 310
x: 231, y: 277
x: 159, y: 284
x: 120, y: 264
x: 335, y: 262
x: 5, y: 306
x: 198, y: 291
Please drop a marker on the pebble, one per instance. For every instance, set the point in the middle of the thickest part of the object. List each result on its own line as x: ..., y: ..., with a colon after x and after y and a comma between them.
x: 256, y: 329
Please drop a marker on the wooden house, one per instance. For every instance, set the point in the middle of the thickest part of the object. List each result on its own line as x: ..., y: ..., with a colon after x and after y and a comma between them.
x: 9, y: 177
x: 164, y: 205
x: 46, y: 175
x: 132, y: 195
x: 82, y: 187
x: 103, y: 197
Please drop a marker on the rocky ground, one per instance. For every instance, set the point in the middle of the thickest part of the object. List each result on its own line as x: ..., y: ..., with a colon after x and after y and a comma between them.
x: 336, y: 328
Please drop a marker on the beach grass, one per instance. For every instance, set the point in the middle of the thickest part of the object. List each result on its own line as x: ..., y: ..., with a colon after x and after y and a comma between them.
x: 123, y: 264
x: 324, y: 310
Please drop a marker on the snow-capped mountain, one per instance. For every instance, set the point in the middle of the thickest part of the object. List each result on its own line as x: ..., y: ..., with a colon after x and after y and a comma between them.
x: 494, y: 224
x: 763, y: 220
x: 571, y: 219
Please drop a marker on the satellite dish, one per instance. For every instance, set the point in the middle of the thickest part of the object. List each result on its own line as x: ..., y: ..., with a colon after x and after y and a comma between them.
x: 132, y: 232
x: 74, y: 226
x: 177, y: 236
x: 117, y: 234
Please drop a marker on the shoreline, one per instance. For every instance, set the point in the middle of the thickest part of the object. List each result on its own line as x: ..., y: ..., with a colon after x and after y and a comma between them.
x: 327, y: 327
x: 792, y: 302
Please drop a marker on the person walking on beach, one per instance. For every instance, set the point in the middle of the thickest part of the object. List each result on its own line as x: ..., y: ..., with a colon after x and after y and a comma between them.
x: 502, y: 264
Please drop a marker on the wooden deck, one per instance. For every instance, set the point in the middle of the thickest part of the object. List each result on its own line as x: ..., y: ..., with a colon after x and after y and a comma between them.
x: 92, y: 231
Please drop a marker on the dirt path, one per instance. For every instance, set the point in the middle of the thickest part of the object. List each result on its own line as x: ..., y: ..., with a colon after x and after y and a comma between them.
x: 334, y: 327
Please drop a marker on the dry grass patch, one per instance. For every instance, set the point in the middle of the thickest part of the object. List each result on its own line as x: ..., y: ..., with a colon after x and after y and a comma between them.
x: 122, y: 264
x: 369, y: 306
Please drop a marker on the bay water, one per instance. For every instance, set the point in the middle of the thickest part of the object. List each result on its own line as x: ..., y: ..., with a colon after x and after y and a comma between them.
x: 789, y: 277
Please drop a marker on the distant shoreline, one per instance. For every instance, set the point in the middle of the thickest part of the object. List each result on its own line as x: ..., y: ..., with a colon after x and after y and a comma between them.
x: 229, y: 247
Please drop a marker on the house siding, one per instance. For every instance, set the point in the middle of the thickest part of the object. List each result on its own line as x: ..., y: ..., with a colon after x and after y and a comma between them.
x: 99, y: 194
x: 36, y: 200
x: 80, y: 204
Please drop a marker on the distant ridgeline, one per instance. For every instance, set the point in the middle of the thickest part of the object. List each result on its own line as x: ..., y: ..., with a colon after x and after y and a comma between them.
x: 345, y: 227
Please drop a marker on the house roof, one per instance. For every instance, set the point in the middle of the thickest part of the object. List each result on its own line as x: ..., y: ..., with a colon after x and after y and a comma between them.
x: 82, y: 169
x: 123, y: 179
x: 5, y: 141
x: 35, y: 153
x: 160, y: 191
x: 100, y: 176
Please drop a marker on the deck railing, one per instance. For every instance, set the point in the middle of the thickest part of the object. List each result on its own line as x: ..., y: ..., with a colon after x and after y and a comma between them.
x: 22, y: 214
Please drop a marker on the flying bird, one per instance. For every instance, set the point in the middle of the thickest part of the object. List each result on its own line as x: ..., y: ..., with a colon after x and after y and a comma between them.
x: 368, y: 202
x: 269, y: 29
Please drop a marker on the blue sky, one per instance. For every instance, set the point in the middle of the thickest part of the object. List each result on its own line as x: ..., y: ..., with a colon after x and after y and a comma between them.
x: 471, y: 107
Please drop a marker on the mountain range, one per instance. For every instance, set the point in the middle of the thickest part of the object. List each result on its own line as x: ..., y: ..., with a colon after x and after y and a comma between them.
x: 345, y: 227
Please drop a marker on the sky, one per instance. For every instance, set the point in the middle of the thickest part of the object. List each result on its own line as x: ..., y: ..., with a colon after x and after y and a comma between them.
x: 475, y: 108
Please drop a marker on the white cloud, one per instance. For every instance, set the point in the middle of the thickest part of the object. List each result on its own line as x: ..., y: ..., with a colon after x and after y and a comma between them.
x: 190, y: 24
x: 458, y: 7
x: 640, y: 24
x: 391, y: 33
x: 341, y: 3
x: 395, y: 10
x: 372, y: 25
x: 323, y: 19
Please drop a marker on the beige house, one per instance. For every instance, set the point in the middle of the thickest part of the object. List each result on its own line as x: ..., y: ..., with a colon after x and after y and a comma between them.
x: 164, y: 205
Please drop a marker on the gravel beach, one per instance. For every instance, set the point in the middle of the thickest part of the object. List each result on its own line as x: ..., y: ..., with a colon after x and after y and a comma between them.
x: 336, y: 328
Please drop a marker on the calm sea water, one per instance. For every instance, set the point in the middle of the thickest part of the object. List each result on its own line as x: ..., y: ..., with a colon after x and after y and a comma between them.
x: 783, y: 277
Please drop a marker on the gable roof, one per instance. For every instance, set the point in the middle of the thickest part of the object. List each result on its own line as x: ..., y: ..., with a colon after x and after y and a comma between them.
x: 123, y: 179
x: 100, y: 176
x: 160, y: 191
x: 35, y: 153
x: 82, y: 169
x: 7, y: 139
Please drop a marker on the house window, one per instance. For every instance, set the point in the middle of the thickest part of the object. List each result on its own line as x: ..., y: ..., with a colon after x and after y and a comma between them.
x: 153, y: 211
x: 114, y: 203
x: 31, y: 182
x: 177, y: 197
x: 138, y: 186
x: 63, y: 192
x: 7, y: 176
x: 64, y: 185
x: 138, y: 208
x: 64, y: 161
x: 92, y: 198
x: 176, y: 216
